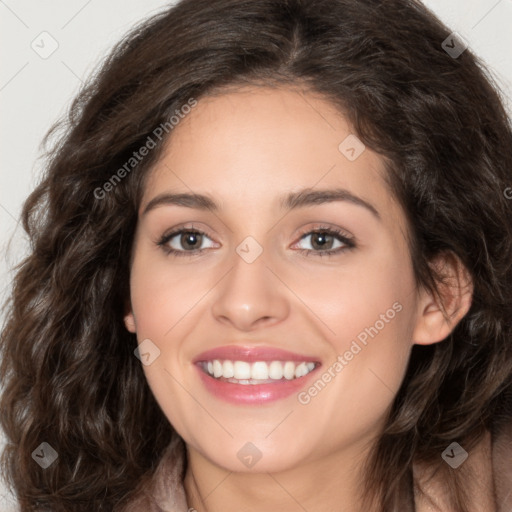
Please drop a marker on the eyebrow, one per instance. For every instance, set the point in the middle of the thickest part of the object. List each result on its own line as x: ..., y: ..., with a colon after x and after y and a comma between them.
x: 293, y: 200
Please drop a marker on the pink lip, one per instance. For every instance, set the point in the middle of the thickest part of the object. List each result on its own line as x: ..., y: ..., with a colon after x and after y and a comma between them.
x: 251, y: 354
x: 252, y: 394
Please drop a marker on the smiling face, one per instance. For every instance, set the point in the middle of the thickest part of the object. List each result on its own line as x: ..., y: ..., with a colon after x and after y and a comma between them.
x: 303, y: 251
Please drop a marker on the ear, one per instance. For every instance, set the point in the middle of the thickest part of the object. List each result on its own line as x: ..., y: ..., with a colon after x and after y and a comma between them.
x: 129, y: 318
x: 456, y: 293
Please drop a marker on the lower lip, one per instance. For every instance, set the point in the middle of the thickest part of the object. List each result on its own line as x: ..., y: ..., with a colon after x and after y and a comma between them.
x: 253, y: 394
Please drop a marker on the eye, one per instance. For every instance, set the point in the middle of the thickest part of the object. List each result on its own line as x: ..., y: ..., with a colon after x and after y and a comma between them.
x: 326, y: 241
x: 184, y: 242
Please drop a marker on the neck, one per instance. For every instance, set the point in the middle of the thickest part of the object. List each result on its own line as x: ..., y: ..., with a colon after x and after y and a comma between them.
x: 328, y: 483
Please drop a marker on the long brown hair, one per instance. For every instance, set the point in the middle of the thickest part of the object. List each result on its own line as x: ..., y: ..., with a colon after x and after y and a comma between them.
x: 69, y: 373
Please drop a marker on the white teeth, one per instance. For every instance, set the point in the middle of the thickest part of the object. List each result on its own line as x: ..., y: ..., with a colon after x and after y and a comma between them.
x: 259, y: 370
x: 217, y: 368
x: 275, y: 370
x: 301, y: 370
x: 228, y: 369
x: 243, y: 372
x: 289, y: 370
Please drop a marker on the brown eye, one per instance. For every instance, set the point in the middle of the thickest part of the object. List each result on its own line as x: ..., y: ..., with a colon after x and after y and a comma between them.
x: 321, y: 240
x: 190, y: 240
x: 185, y: 242
x: 326, y: 241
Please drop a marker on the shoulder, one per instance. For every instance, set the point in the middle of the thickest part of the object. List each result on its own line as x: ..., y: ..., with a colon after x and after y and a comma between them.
x: 488, y: 469
x: 502, y: 467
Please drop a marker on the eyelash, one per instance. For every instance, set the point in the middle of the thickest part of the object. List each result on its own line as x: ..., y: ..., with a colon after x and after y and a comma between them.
x: 347, y: 240
x: 340, y: 235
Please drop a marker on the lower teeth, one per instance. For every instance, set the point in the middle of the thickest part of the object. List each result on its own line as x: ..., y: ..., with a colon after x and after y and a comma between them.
x: 250, y: 381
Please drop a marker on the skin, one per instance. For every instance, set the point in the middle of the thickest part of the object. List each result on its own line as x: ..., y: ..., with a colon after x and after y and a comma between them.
x: 246, y: 149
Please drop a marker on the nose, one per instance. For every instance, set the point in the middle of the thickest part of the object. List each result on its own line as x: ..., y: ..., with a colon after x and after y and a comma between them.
x: 250, y: 296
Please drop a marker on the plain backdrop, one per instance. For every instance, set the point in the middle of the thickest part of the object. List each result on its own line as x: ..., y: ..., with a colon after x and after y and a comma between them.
x: 36, y: 88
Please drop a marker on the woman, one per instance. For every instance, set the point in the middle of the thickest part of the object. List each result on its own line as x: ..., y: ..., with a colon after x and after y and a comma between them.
x: 270, y: 270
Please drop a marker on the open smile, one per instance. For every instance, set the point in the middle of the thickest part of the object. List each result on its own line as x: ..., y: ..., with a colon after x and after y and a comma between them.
x: 253, y: 375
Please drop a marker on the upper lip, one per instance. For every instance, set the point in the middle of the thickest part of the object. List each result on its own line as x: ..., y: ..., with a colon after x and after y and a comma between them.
x: 251, y: 354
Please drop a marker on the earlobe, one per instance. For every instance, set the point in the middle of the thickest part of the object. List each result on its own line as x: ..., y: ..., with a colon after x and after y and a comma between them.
x: 129, y: 318
x: 456, y: 293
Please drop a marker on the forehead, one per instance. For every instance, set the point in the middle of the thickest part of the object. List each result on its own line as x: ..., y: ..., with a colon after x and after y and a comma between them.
x: 250, y: 146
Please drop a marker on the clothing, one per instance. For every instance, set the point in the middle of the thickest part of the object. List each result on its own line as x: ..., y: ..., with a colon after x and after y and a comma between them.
x: 165, y: 493
x: 492, y: 461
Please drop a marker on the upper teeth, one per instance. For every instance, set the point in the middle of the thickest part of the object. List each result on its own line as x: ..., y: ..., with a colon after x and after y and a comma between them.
x: 260, y: 370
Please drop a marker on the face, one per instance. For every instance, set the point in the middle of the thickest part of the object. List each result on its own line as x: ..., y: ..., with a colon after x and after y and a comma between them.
x: 282, y: 304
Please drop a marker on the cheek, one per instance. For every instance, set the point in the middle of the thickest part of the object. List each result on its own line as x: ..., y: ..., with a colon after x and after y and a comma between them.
x: 164, y: 382
x: 162, y: 296
x: 360, y: 298
x: 370, y: 351
x: 161, y: 301
x: 367, y: 318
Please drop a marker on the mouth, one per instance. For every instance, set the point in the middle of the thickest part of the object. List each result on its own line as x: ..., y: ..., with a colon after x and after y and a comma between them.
x: 254, y: 375
x: 260, y: 372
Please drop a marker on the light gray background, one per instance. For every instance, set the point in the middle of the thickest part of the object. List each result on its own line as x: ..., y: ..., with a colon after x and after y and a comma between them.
x: 35, y: 92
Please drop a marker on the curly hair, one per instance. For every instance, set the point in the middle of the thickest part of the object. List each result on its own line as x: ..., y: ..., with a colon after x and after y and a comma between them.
x: 69, y: 373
